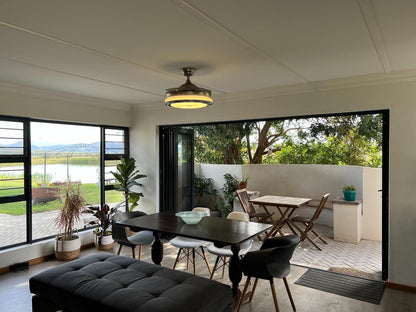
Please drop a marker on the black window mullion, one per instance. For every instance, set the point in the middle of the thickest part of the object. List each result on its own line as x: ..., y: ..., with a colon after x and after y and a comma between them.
x: 28, y: 179
x: 102, y: 166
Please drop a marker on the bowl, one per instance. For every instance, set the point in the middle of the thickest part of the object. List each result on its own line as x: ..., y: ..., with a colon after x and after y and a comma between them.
x: 191, y: 217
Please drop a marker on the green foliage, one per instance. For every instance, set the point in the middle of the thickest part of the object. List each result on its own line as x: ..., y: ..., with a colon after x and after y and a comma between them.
x: 349, y: 188
x: 103, y: 215
x: 229, y: 188
x: 205, y: 193
x: 127, y: 175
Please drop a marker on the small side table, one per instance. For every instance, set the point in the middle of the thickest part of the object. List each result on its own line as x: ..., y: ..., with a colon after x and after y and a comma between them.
x: 347, y: 220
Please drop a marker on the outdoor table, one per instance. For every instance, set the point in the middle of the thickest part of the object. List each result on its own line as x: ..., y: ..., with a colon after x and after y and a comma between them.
x: 285, y: 205
x: 222, y: 232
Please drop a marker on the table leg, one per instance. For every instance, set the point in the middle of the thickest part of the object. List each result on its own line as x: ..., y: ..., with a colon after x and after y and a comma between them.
x: 157, y: 249
x: 234, y: 271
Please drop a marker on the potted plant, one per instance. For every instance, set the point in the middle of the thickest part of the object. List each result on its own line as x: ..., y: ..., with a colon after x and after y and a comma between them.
x: 102, y: 236
x: 228, y: 189
x: 349, y: 192
x: 206, y: 195
x: 67, y: 243
x: 242, y: 183
x: 127, y: 175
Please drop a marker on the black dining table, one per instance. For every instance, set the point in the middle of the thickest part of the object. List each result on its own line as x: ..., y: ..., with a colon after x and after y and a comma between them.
x: 222, y: 232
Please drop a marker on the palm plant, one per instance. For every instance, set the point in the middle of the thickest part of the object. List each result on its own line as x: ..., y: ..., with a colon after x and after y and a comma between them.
x: 127, y: 175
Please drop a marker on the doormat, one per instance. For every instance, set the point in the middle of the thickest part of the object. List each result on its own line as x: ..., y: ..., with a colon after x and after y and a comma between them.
x: 344, y: 285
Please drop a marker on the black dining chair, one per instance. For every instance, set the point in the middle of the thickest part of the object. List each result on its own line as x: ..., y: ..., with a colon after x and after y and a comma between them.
x: 271, y: 261
x: 120, y: 235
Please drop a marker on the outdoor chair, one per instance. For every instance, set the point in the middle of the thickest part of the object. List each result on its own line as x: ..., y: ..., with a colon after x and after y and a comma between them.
x: 189, y: 245
x: 309, y: 224
x: 271, y: 261
x: 261, y: 217
x: 225, y: 252
x: 120, y: 233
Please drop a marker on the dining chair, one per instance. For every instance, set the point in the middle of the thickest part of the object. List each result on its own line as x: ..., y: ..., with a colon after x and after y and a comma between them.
x: 271, y: 261
x: 309, y: 224
x: 189, y: 245
x: 261, y: 217
x: 121, y: 233
x: 225, y: 252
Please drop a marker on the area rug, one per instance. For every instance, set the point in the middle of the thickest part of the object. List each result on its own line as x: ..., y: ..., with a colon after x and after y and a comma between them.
x: 344, y: 285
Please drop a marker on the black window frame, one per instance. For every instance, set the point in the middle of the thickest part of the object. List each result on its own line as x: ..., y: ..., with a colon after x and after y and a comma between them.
x: 26, y: 160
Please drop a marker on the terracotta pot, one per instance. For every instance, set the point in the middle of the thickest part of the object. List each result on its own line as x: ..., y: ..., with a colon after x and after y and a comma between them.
x: 67, y: 249
x: 104, y: 242
x: 242, y: 185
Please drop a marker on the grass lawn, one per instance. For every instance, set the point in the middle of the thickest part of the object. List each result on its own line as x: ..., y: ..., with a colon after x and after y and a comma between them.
x: 91, y: 193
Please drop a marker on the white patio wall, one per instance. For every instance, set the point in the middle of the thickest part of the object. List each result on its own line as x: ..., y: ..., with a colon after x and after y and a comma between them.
x: 310, y: 181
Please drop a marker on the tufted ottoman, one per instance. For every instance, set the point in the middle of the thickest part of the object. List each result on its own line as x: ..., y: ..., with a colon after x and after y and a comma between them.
x: 105, y: 282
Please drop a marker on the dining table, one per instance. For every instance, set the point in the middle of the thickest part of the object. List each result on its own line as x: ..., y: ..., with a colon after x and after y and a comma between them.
x: 285, y: 205
x: 222, y: 232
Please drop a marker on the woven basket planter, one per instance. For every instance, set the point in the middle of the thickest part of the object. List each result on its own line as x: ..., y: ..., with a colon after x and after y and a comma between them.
x: 67, y: 249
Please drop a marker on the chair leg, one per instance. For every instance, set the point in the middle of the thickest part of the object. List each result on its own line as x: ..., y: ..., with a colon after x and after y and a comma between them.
x: 177, y: 258
x: 289, y: 293
x: 312, y: 242
x: 193, y: 260
x: 274, y: 296
x: 243, y: 294
x: 224, y: 262
x: 140, y: 252
x: 133, y: 252
x: 253, y: 289
x: 319, y: 236
x: 206, y: 260
x: 215, y: 266
x: 119, y: 250
x: 187, y: 258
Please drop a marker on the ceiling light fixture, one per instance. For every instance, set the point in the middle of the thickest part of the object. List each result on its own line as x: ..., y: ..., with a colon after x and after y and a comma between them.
x: 188, y: 95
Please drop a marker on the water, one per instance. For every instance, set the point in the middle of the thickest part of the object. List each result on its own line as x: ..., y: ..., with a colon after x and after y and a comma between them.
x: 59, y: 172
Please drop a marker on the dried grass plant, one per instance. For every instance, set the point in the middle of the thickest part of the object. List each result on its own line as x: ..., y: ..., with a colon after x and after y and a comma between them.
x: 70, y: 213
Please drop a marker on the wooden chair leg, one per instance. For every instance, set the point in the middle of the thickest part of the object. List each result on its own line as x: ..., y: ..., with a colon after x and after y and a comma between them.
x: 243, y: 294
x: 276, y: 305
x: 133, y: 252
x: 119, y: 249
x: 215, y: 267
x: 313, y: 243
x: 289, y: 293
x: 140, y: 252
x: 206, y: 260
x: 253, y: 289
x: 177, y: 258
x: 193, y: 260
x: 187, y: 258
x: 319, y: 236
x: 224, y: 264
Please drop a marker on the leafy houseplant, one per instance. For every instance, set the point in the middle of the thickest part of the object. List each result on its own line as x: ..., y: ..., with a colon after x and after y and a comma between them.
x: 206, y: 194
x: 228, y: 189
x: 242, y: 183
x: 349, y: 192
x: 127, y: 175
x: 67, y: 244
x: 104, y: 214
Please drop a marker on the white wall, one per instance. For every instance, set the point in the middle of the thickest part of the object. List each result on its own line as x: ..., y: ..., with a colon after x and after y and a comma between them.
x: 399, y: 98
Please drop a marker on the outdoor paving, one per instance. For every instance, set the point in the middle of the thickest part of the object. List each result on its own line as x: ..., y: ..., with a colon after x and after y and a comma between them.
x: 365, y: 256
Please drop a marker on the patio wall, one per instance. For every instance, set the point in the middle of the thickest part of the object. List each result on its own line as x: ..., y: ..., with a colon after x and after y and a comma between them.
x: 311, y: 181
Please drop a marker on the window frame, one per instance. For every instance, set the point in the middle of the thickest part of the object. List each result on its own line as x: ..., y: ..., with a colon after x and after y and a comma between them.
x: 26, y: 160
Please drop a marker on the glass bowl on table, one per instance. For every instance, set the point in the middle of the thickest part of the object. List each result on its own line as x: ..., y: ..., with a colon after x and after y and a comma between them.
x: 191, y: 217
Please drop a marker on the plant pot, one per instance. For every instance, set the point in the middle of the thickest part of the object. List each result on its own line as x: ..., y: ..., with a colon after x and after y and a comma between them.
x: 67, y: 249
x: 349, y: 195
x: 103, y: 242
x: 242, y: 185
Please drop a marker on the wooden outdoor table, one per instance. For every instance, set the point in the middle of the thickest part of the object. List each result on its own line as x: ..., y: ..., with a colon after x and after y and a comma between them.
x: 285, y: 205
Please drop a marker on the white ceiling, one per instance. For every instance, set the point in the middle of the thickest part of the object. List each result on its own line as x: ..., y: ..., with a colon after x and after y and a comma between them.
x: 130, y: 51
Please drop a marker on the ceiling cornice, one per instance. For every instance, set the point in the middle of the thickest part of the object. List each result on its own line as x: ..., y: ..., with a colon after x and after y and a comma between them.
x: 317, y: 86
x: 59, y: 95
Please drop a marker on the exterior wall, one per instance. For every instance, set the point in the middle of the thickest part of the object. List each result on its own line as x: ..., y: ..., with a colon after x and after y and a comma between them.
x: 399, y: 98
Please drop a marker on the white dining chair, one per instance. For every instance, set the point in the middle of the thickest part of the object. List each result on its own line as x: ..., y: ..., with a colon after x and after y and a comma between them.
x: 189, y: 245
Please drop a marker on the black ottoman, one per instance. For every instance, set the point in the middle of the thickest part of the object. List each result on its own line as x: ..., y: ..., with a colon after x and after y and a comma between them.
x: 105, y: 282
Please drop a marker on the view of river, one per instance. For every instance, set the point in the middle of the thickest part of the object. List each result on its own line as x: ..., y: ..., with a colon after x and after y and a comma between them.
x: 59, y: 172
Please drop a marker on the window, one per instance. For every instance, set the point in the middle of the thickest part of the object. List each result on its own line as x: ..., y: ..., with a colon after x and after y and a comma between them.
x: 37, y: 158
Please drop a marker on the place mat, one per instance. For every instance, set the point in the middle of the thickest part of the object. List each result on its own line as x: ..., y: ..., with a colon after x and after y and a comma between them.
x: 343, y: 285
